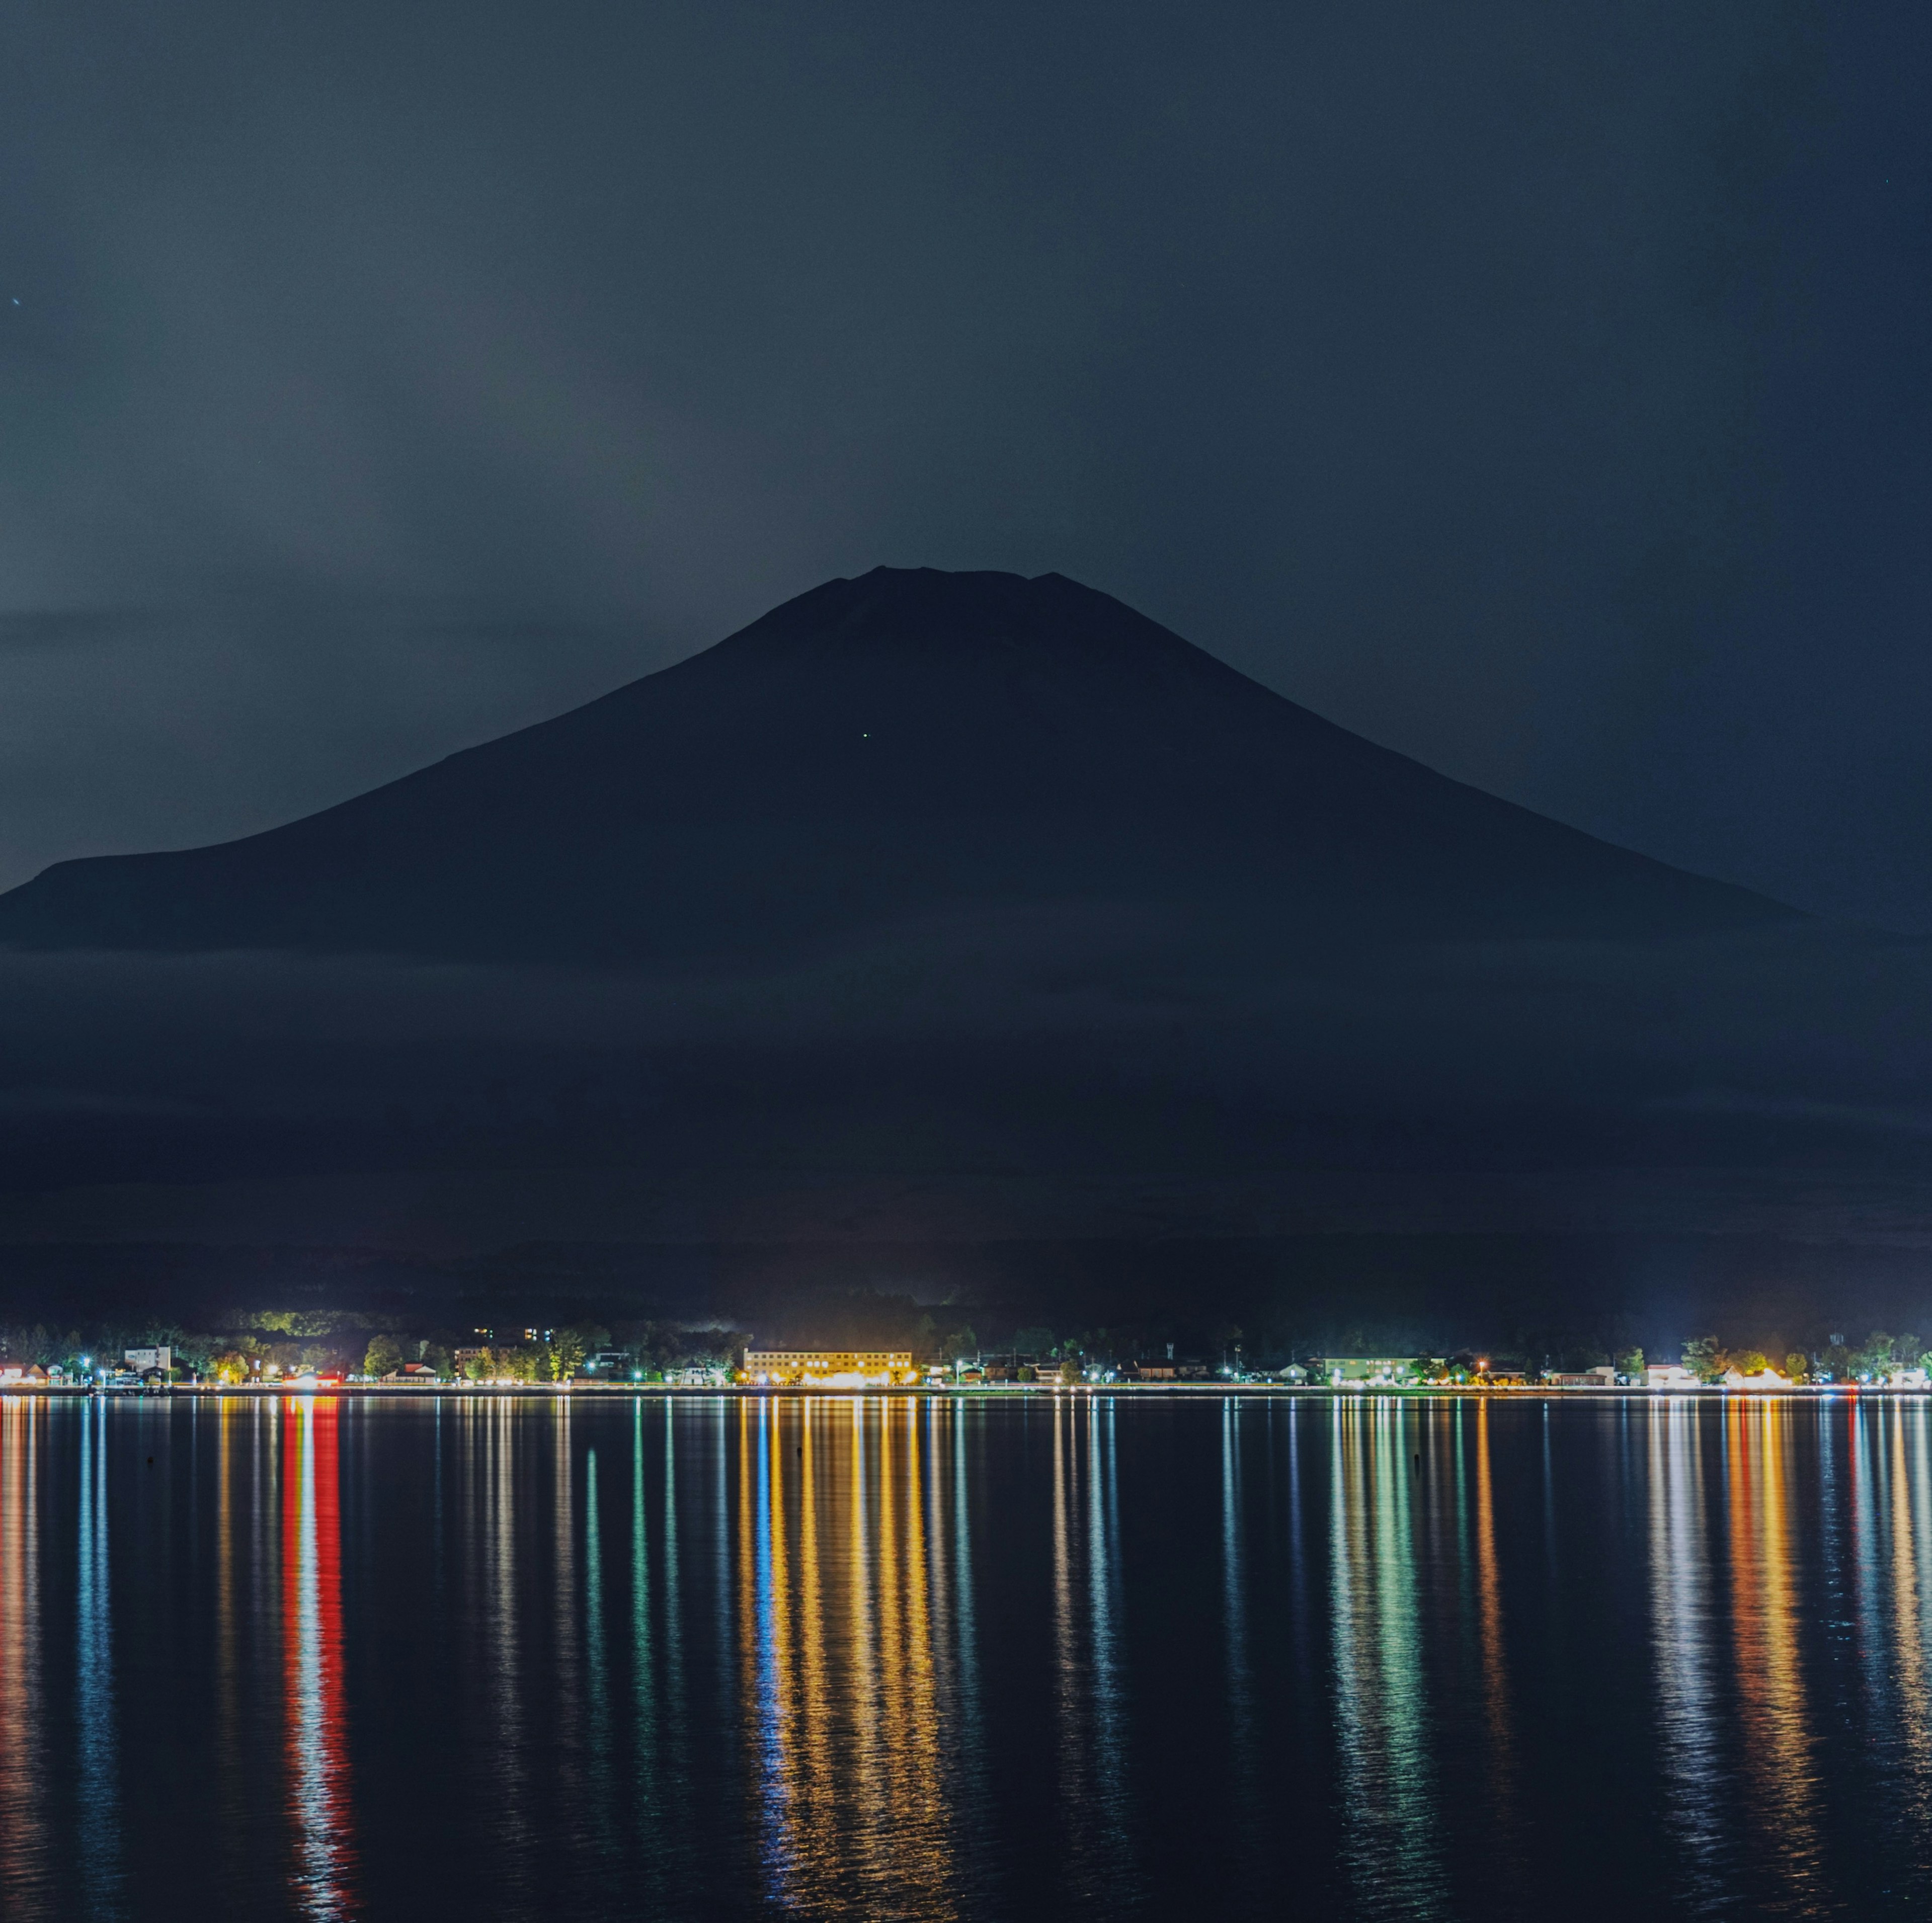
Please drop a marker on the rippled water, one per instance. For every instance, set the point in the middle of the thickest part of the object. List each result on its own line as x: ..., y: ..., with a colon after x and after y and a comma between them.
x: 1073, y: 1656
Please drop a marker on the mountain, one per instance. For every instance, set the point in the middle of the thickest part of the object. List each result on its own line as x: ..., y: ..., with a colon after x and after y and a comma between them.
x: 932, y: 920
x: 876, y: 751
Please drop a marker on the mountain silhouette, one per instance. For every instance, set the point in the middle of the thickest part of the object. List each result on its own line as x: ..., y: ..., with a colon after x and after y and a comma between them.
x: 876, y: 751
x: 957, y: 913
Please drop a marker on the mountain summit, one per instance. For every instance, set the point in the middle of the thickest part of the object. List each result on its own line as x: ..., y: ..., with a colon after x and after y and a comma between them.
x: 879, y: 751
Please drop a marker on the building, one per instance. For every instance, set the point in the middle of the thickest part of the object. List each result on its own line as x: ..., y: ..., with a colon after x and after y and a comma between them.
x: 829, y: 1368
x: 1668, y: 1376
x: 1360, y: 1369
x: 1504, y: 1372
x: 1602, y: 1376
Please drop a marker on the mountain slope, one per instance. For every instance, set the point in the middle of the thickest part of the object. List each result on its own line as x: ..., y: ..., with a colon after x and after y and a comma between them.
x: 874, y: 751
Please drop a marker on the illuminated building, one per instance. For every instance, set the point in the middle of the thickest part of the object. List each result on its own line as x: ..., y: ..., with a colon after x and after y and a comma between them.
x: 829, y: 1368
x: 1668, y: 1376
x: 1359, y: 1370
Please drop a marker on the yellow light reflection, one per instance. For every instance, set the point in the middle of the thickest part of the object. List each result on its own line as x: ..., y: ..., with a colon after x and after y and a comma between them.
x: 1909, y: 1493
x: 836, y: 1658
x: 1764, y: 1632
x: 23, y: 1868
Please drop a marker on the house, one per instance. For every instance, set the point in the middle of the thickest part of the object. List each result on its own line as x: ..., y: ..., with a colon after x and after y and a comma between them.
x: 1601, y: 1376
x: 1764, y: 1378
x: 1167, y: 1369
x: 317, y: 1378
x: 21, y: 1375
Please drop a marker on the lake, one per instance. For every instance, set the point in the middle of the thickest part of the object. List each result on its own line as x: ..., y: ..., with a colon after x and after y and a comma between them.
x: 1074, y: 1655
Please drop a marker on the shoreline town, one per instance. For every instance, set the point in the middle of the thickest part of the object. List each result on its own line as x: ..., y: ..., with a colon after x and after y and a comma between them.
x: 1705, y: 1370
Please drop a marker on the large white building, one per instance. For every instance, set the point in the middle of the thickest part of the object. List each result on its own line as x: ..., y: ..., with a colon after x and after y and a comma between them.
x: 830, y: 1368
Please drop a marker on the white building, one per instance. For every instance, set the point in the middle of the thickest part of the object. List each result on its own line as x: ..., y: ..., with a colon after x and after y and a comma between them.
x: 1602, y: 1376
x: 1668, y: 1375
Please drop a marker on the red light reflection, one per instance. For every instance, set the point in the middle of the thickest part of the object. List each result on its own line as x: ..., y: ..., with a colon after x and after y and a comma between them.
x: 319, y: 1805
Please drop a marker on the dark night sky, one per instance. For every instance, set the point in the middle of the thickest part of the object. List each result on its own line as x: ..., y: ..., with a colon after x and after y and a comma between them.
x: 1544, y: 391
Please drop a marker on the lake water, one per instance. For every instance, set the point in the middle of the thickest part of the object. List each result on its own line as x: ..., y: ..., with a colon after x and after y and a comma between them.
x: 1072, y: 1656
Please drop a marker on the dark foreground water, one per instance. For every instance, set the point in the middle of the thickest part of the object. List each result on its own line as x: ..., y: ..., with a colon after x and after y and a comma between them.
x: 1072, y: 1657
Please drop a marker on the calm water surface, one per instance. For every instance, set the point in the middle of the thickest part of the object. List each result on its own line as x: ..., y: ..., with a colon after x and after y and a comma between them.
x: 1060, y: 1657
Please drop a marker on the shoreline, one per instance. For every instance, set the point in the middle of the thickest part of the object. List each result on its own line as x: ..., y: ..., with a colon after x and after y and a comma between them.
x: 536, y: 1391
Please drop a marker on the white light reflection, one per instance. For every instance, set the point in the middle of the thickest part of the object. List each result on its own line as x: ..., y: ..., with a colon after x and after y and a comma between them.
x: 1682, y: 1636
x: 1086, y: 1568
x: 93, y: 1666
x: 1391, y: 1840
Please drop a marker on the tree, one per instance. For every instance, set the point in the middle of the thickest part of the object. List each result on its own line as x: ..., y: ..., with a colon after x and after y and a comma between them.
x: 1798, y: 1365
x: 960, y: 1344
x: 1070, y: 1369
x: 1875, y: 1359
x: 1703, y: 1358
x: 1226, y: 1338
x: 1748, y: 1361
x: 1630, y: 1363
x: 477, y: 1367
x: 383, y: 1356
x: 572, y: 1345
x: 1033, y: 1341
